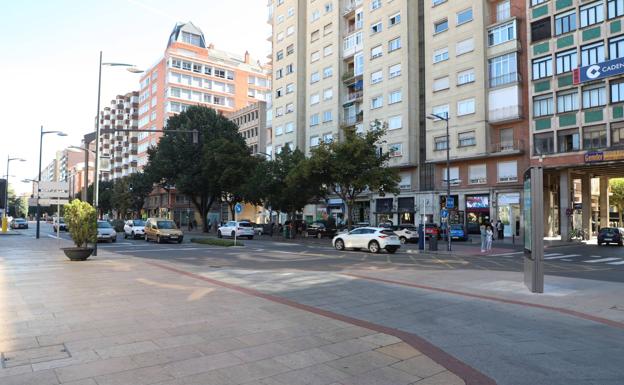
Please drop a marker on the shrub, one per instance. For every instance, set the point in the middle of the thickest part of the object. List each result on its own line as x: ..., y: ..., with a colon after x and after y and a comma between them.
x: 81, y: 222
x: 216, y: 242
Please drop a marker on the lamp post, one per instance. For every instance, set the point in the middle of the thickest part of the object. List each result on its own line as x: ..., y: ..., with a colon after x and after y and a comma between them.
x: 448, y: 172
x: 86, y: 168
x: 6, y: 195
x: 96, y: 184
x: 42, y: 133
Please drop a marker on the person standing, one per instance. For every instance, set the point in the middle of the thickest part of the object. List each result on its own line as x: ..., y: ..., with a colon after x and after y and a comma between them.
x: 489, y: 232
x: 482, y: 230
x: 501, y: 228
x: 494, y: 233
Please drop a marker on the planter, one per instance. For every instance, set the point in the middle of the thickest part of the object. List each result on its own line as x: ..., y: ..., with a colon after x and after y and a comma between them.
x: 77, y: 253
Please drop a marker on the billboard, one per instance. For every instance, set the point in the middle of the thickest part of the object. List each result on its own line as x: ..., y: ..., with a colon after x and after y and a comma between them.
x: 598, y: 71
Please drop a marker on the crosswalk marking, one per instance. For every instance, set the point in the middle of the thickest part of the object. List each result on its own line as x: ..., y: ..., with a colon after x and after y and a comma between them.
x: 507, y: 255
x: 552, y: 254
x: 616, y: 263
x: 603, y: 260
x: 563, y: 256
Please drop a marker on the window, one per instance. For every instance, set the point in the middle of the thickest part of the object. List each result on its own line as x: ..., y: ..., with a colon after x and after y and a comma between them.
x: 594, y: 96
x: 540, y: 30
x: 502, y: 33
x: 328, y: 50
x: 280, y: 36
x: 290, y: 49
x: 314, y: 119
x: 592, y: 54
x: 617, y: 134
x: 465, y: 77
x: 328, y: 138
x: 616, y: 47
x: 535, y: 2
x: 395, y: 122
x: 567, y: 101
x: 376, y: 28
x: 290, y: 126
x: 394, y: 71
x: 465, y: 107
x: 466, y: 139
x: 328, y: 72
x: 279, y: 55
x: 542, y: 67
x: 328, y: 94
x: 440, y: 55
x: 327, y: 29
x: 615, y: 8
x: 186, y: 65
x: 328, y: 7
x: 442, y: 110
x: 503, y: 10
x: 314, y: 141
x: 314, y: 56
x: 376, y: 102
x: 568, y: 140
x: 290, y: 69
x: 440, y: 143
x: 595, y: 137
x: 565, y: 22
x: 394, y: 44
x: 395, y: 149
x: 503, y: 70
x: 316, y: 14
x: 508, y: 171
x: 315, y: 99
x: 477, y: 174
x: 592, y: 13
x: 327, y: 116
x: 394, y: 19
x: 464, y: 16
x: 279, y: 93
x: 279, y: 73
x: 617, y: 91
x: 290, y: 107
x: 376, y: 77
x: 314, y: 77
x: 290, y: 88
x: 395, y: 97
x: 441, y: 84
x: 376, y: 51
x: 452, y: 174
x: 542, y: 106
x: 290, y: 30
x: 440, y: 26
x: 438, y: 2
x: 315, y: 35
x: 375, y: 4
x: 566, y: 61
x: 464, y: 46
x: 279, y: 130
x: 279, y: 111
x: 506, y: 139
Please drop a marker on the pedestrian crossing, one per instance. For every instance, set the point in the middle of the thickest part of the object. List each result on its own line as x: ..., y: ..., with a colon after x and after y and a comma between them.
x: 557, y: 257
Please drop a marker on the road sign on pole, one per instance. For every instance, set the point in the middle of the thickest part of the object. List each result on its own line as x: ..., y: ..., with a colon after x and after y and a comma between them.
x: 50, y: 202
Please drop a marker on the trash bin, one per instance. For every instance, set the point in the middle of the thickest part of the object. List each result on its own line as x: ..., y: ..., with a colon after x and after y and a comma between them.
x: 433, y: 243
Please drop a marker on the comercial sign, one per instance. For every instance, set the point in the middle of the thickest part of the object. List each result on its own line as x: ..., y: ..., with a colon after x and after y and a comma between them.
x: 603, y: 156
x: 598, y: 71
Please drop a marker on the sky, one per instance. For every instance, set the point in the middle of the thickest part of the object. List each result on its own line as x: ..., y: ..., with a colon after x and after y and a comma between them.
x: 49, y: 67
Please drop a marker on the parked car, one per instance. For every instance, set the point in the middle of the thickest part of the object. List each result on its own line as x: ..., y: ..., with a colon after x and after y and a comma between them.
x: 458, y: 232
x: 106, y: 232
x: 134, y: 228
x: 361, y: 224
x: 241, y: 229
x: 59, y: 223
x: 374, y: 239
x: 608, y: 235
x: 407, y: 233
x: 258, y: 228
x: 162, y: 230
x: 19, y: 223
x: 432, y: 229
x: 319, y: 230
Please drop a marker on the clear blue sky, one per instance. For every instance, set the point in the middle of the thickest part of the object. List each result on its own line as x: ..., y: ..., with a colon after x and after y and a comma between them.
x: 50, y: 49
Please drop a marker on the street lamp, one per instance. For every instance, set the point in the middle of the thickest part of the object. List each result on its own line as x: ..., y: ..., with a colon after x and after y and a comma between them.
x: 446, y: 118
x: 42, y: 133
x: 6, y: 195
x: 96, y: 184
x: 86, y: 168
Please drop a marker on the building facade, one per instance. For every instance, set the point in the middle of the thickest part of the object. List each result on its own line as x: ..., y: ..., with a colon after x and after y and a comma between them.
x: 576, y: 94
x: 252, y: 125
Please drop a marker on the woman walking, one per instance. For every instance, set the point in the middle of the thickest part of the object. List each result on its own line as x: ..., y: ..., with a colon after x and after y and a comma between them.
x: 488, y: 238
x: 482, y: 230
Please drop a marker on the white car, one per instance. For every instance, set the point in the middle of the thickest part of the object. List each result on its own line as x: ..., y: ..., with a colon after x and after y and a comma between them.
x: 106, y: 232
x: 407, y: 233
x: 134, y: 228
x: 241, y: 229
x: 374, y: 239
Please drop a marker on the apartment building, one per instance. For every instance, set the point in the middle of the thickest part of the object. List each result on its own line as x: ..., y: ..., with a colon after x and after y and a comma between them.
x: 346, y: 64
x: 252, y: 126
x: 576, y: 94
x: 193, y: 73
x: 119, y: 149
x: 52, y: 172
x: 475, y: 64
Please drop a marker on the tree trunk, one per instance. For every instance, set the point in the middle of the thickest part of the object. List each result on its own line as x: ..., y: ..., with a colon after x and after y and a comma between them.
x: 348, y: 208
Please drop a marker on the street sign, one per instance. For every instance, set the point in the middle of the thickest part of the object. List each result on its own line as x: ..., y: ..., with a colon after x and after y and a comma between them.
x: 238, y: 208
x: 51, y: 202
x: 450, y: 202
x: 54, y: 186
x: 53, y: 194
x: 444, y: 213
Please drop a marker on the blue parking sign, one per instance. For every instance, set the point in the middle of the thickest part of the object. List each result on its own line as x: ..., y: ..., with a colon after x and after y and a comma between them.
x: 238, y: 208
x: 450, y: 202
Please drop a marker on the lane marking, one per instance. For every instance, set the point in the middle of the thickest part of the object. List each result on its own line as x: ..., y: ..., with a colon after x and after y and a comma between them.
x: 552, y: 254
x: 564, y: 256
x: 507, y: 254
x: 616, y: 263
x: 603, y: 260
x: 159, y: 249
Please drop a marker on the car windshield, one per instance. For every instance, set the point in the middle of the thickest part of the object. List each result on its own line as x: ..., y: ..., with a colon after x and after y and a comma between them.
x: 607, y: 230
x: 166, y: 225
x: 103, y: 225
x: 20, y: 220
x: 138, y: 222
x: 387, y: 232
x: 244, y: 224
x: 456, y: 227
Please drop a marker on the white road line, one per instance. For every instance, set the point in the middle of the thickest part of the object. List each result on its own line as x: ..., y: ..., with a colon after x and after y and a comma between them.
x: 156, y: 249
x: 595, y: 256
x: 552, y: 254
x: 603, y: 260
x: 616, y: 263
x: 564, y: 256
x: 507, y: 254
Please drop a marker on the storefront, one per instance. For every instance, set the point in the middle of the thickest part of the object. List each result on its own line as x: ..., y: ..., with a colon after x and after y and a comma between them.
x: 335, y: 211
x: 509, y: 213
x: 383, y: 210
x: 477, y: 212
x: 361, y: 212
x: 406, y: 210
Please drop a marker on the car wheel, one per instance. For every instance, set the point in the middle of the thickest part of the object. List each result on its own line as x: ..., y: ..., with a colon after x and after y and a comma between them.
x: 180, y: 240
x: 319, y: 235
x: 403, y: 240
x: 133, y: 235
x: 219, y: 234
x: 391, y: 250
x: 339, y: 244
x: 114, y: 240
x: 250, y: 237
x: 146, y: 238
x: 373, y: 247
x: 125, y: 235
x: 158, y: 240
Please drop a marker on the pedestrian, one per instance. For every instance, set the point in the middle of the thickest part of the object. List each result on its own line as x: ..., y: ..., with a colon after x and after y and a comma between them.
x: 501, y: 228
x: 190, y: 224
x: 482, y: 230
x: 494, y: 226
x: 489, y: 232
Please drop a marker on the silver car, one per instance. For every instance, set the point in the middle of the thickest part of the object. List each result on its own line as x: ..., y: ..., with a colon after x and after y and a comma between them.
x: 134, y: 228
x: 374, y: 239
x: 106, y: 232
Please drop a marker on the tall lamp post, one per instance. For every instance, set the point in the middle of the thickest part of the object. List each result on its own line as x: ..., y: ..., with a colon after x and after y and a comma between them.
x: 6, y: 194
x: 96, y: 185
x: 59, y: 133
x: 86, y: 168
x: 446, y: 119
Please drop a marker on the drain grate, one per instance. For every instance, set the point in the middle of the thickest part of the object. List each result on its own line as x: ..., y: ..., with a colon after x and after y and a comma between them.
x: 34, y: 355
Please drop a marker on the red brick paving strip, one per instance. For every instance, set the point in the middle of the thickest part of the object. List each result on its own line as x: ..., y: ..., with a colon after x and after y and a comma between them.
x: 573, y: 313
x: 466, y: 372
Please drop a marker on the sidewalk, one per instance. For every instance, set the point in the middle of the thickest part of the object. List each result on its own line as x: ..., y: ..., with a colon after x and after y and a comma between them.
x: 122, y: 320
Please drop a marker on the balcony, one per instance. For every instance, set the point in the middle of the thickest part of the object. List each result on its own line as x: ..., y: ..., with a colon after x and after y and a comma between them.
x: 353, y: 97
x: 353, y: 120
x: 350, y: 77
x: 350, y: 6
x: 510, y: 78
x: 510, y: 147
x: 505, y: 114
x: 505, y: 104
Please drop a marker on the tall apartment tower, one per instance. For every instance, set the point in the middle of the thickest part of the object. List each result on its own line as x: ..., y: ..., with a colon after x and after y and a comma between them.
x: 193, y: 73
x: 339, y: 64
x: 475, y: 56
x: 119, y: 149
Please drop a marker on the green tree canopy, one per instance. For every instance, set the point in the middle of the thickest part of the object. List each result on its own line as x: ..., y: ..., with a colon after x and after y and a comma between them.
x: 617, y: 193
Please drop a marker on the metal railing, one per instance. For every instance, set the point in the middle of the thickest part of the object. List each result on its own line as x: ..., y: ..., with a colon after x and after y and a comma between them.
x: 507, y: 146
x: 512, y: 77
x: 353, y: 96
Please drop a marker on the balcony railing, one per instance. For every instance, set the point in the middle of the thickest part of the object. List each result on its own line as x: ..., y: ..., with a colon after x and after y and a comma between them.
x: 496, y: 81
x: 505, y: 114
x: 353, y: 96
x: 352, y: 120
x: 350, y: 6
x: 507, y: 146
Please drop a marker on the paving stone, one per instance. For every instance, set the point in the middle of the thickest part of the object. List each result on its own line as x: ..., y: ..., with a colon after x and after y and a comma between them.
x: 164, y: 356
x: 261, y: 352
x: 6, y: 372
x: 93, y: 369
x: 381, y: 339
x: 139, y: 376
x: 202, y: 364
x: 186, y: 339
x: 44, y: 377
x: 382, y: 376
x: 400, y: 350
x: 348, y: 348
x: 362, y: 362
x: 421, y: 366
x: 444, y: 378
x: 126, y: 349
x: 305, y: 358
x: 253, y: 371
x: 220, y: 346
x: 80, y: 357
x: 322, y: 374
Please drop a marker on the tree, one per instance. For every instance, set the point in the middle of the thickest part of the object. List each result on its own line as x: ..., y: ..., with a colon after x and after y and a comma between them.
x: 121, y: 197
x: 18, y: 206
x: 351, y: 166
x: 197, y: 170
x: 104, y: 198
x: 616, y: 186
x: 140, y: 185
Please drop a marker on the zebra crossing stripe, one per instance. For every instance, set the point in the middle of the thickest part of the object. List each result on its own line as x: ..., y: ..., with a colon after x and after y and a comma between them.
x: 616, y: 263
x: 603, y: 260
x: 552, y: 254
x: 563, y: 256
